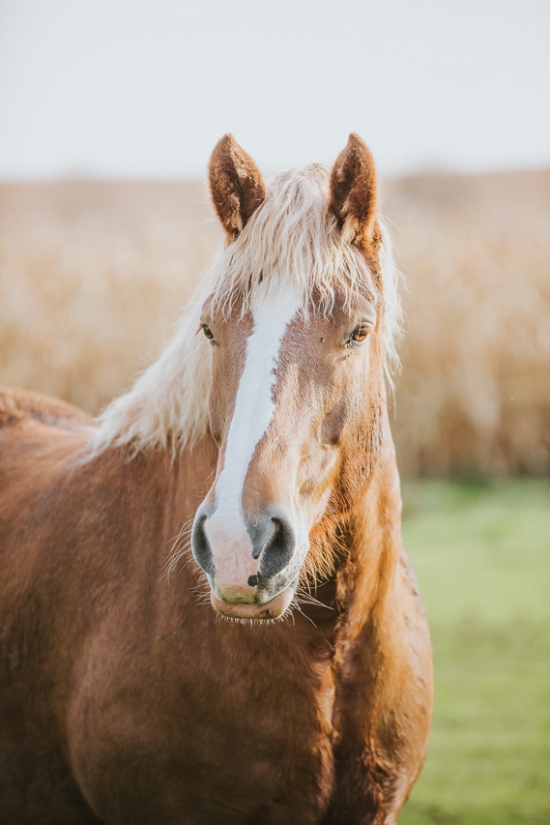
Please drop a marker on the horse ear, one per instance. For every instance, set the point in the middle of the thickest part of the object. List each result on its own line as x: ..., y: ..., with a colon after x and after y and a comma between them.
x: 353, y: 192
x: 236, y: 185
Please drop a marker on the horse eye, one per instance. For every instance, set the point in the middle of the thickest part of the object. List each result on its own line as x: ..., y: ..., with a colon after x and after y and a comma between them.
x: 359, y: 334
x: 208, y: 332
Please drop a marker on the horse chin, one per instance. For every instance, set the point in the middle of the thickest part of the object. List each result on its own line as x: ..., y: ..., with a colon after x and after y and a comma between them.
x: 273, y: 609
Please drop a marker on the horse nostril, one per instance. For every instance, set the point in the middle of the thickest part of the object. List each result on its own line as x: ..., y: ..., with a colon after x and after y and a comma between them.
x: 201, y: 547
x: 278, y: 549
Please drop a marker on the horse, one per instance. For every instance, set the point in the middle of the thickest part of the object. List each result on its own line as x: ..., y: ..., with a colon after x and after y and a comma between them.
x: 207, y: 614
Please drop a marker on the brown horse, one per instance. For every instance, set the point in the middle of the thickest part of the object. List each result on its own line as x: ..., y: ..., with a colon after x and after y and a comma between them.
x: 304, y: 695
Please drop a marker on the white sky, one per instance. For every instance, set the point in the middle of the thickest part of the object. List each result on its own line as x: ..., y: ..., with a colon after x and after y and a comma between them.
x: 145, y: 88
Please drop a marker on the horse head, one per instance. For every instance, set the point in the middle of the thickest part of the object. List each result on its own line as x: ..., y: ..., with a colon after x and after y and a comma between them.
x: 299, y: 342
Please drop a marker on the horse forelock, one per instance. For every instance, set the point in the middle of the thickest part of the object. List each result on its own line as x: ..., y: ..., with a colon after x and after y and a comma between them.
x: 292, y: 241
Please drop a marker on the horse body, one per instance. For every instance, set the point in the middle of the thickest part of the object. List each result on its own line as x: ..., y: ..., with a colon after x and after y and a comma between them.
x: 125, y: 700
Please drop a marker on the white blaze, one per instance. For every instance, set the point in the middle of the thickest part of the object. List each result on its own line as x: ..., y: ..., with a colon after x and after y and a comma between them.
x: 254, y: 409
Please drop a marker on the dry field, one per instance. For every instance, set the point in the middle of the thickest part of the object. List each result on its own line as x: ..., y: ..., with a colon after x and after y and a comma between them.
x: 92, y: 275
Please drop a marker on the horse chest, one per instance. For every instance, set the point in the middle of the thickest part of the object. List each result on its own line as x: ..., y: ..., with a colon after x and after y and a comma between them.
x: 230, y: 736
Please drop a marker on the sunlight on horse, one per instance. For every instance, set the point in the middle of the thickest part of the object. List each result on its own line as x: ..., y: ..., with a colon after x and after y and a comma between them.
x: 251, y: 470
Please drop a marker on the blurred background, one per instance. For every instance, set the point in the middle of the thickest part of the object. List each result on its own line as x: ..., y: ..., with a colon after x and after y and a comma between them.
x: 109, y: 110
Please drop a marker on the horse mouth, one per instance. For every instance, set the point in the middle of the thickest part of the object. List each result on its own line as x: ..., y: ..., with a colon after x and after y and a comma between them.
x: 273, y: 609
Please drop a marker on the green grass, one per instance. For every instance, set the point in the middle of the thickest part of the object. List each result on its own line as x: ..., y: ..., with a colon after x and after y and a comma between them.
x: 482, y: 558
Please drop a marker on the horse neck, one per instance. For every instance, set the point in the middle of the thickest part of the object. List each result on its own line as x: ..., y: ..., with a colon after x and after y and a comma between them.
x: 367, y: 577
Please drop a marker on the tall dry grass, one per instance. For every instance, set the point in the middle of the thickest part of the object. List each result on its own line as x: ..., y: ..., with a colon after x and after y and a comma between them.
x: 92, y: 275
x: 91, y: 279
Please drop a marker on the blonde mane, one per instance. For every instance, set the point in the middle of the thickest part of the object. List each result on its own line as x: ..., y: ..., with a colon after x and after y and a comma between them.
x: 292, y: 237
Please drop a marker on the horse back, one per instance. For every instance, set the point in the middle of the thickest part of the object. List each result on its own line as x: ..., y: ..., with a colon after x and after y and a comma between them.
x: 40, y: 438
x: 19, y: 407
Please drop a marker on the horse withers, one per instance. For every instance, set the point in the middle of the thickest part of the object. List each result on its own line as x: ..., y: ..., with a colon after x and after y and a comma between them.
x: 272, y: 664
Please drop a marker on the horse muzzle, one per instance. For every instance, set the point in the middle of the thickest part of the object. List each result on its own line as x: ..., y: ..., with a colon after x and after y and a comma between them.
x: 250, y: 564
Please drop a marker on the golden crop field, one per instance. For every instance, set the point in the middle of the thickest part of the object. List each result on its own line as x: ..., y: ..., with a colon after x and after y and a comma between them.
x: 92, y: 275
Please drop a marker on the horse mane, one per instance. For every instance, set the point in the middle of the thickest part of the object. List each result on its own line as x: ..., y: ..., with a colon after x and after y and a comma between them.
x: 293, y: 239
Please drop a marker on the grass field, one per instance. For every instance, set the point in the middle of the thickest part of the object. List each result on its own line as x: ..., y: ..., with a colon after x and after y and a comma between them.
x: 482, y: 558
